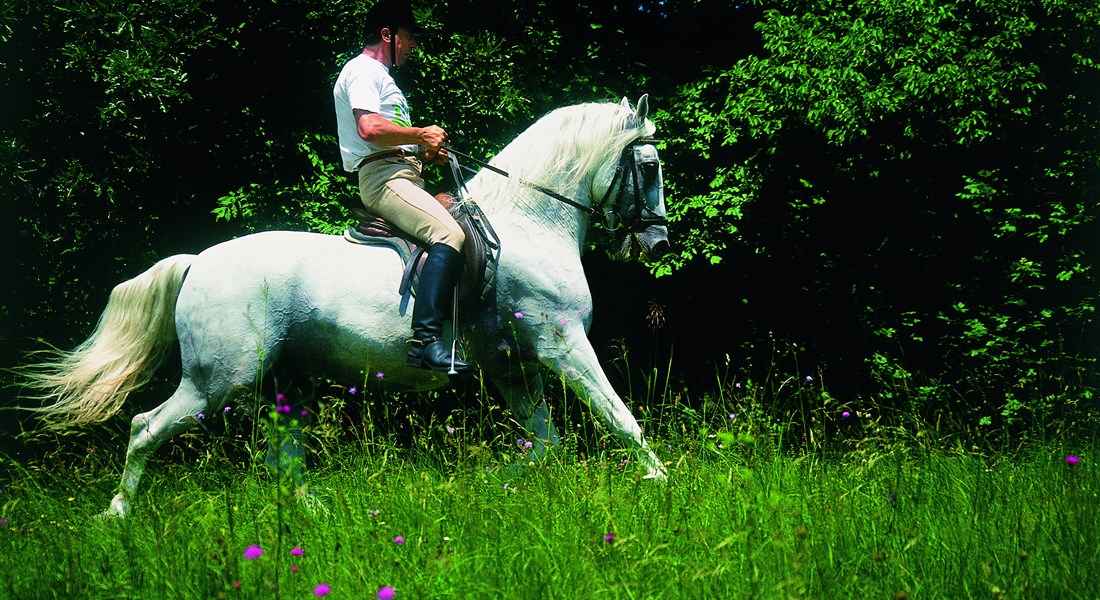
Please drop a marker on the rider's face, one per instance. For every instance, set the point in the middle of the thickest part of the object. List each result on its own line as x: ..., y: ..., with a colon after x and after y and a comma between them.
x: 406, y: 43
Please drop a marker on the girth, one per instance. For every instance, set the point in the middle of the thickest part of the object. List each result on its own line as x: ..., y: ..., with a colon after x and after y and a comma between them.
x: 481, y: 250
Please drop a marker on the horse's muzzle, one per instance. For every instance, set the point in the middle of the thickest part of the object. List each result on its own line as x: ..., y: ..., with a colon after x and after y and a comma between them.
x: 653, y: 241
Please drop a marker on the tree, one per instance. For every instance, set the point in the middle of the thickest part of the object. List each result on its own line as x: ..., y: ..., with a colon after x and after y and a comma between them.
x: 921, y: 177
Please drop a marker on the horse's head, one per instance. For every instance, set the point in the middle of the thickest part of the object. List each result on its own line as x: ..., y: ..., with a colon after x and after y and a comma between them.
x: 635, y: 213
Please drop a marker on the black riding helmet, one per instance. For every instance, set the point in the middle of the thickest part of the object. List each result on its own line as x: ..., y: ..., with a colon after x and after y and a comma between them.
x: 391, y: 14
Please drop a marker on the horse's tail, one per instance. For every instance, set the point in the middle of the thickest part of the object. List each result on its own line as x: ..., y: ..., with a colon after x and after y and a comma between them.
x: 132, y: 338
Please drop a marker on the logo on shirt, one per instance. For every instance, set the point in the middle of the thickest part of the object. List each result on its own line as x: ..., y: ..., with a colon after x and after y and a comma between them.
x: 401, y: 115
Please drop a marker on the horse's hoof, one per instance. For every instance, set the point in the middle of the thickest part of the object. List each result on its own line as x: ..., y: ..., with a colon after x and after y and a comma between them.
x: 117, y: 509
x: 312, y: 502
x: 110, y: 515
x: 658, y: 475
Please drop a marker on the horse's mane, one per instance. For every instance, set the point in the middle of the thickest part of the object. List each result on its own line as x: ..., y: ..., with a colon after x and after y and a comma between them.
x: 559, y: 151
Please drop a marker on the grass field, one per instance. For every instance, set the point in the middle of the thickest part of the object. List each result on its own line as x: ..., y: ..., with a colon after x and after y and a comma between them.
x: 435, y: 508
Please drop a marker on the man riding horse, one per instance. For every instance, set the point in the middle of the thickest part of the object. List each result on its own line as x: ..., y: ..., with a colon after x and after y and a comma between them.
x: 379, y: 143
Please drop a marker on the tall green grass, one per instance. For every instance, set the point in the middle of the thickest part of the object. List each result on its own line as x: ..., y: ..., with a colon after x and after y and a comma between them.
x: 773, y: 493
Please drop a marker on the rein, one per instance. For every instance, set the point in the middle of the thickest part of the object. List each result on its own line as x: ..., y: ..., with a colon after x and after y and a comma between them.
x: 534, y: 186
x: 613, y: 219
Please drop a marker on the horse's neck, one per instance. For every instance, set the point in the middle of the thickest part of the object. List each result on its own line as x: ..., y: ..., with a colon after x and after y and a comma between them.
x: 524, y: 213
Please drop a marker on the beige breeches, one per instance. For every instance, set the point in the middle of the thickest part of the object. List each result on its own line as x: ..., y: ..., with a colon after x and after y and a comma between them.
x: 392, y: 189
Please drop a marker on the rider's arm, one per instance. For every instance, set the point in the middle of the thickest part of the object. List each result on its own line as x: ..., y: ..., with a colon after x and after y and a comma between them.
x: 377, y: 129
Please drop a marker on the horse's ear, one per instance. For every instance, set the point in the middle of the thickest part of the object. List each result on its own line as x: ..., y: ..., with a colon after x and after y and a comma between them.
x: 642, y: 110
x: 624, y: 103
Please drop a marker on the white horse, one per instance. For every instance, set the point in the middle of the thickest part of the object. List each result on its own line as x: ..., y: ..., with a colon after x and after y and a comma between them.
x: 328, y: 306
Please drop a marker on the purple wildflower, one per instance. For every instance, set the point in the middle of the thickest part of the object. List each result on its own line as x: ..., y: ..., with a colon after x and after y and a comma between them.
x: 519, y: 315
x: 380, y: 375
x: 399, y: 540
x: 1072, y: 460
x: 845, y: 415
x: 200, y: 416
x: 609, y: 538
x: 322, y: 589
x: 3, y: 520
x: 385, y: 593
x: 253, y: 552
x: 353, y: 390
x: 296, y: 551
x: 283, y: 409
x: 227, y: 409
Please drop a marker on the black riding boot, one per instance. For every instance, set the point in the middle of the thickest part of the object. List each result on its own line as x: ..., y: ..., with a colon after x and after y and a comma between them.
x: 434, y: 298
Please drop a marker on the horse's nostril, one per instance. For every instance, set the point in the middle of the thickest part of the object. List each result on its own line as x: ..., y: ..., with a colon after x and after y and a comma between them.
x: 660, y: 249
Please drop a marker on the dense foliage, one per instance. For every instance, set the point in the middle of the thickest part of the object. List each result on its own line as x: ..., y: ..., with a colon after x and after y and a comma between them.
x: 906, y: 191
x: 920, y: 178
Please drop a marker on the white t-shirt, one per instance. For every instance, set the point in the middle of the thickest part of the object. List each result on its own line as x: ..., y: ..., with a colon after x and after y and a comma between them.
x: 366, y: 84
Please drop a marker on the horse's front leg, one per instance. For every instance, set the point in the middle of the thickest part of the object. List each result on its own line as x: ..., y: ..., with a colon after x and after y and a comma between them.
x: 577, y: 364
x: 523, y: 392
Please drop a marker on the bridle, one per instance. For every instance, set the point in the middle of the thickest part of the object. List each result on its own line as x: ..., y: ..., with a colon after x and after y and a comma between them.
x: 630, y: 160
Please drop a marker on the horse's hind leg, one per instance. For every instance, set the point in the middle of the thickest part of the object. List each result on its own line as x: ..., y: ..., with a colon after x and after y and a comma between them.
x: 148, y: 431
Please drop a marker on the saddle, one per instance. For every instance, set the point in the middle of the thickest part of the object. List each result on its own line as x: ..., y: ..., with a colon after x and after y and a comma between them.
x: 481, y: 250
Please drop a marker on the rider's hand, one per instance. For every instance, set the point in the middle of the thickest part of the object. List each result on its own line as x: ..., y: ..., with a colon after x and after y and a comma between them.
x: 440, y: 159
x: 432, y: 139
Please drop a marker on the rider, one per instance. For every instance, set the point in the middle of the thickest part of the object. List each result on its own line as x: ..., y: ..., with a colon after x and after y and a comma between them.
x: 378, y: 141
